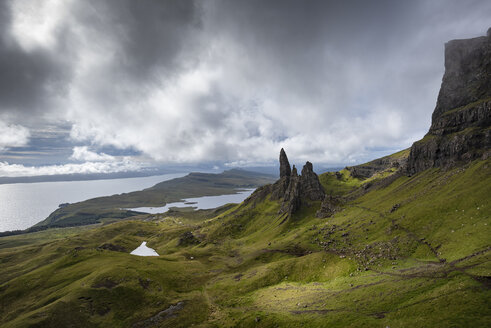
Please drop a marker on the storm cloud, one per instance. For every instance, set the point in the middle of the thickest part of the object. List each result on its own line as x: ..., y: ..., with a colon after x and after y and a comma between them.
x: 32, y: 78
x: 334, y: 82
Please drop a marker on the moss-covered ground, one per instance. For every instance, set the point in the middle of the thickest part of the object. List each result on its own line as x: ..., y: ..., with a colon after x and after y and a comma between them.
x: 411, y: 253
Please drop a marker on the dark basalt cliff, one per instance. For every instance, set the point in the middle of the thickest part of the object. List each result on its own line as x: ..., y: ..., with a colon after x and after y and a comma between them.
x: 460, y: 129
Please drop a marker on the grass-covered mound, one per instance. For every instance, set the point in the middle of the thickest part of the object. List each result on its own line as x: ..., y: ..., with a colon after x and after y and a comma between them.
x: 399, y: 251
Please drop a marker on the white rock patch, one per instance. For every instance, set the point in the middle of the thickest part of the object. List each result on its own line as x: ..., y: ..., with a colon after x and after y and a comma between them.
x: 143, y: 250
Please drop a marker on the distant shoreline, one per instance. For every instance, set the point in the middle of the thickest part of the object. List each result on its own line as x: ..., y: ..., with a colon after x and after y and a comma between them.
x: 82, y: 177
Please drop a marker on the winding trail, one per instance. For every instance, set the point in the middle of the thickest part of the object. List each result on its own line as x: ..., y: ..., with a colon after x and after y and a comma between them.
x: 443, y: 268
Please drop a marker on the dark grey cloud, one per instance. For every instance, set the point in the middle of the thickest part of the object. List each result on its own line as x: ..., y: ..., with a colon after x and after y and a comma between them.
x: 149, y: 34
x: 233, y: 81
x: 29, y: 80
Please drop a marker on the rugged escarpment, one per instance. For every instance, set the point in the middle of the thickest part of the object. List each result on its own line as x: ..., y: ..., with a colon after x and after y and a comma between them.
x: 460, y: 129
x: 367, y: 170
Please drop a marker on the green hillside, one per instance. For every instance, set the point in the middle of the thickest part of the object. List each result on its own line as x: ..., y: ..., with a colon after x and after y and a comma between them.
x: 399, y: 251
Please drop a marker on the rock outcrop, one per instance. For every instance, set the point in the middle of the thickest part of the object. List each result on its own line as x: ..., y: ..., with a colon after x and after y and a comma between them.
x: 329, y: 206
x: 460, y: 129
x: 187, y: 239
x: 259, y: 195
x: 294, y: 189
x: 310, y: 185
x: 367, y: 170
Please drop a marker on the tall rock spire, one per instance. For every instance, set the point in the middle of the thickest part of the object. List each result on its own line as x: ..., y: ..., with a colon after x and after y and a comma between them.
x: 285, y: 169
x: 280, y: 186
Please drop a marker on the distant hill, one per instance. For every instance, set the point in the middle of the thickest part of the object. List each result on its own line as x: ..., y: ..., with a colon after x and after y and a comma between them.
x: 192, y: 185
x: 86, y: 177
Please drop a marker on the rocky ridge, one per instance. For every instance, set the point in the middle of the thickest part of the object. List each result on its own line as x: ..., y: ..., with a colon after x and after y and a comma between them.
x: 367, y: 170
x: 460, y: 129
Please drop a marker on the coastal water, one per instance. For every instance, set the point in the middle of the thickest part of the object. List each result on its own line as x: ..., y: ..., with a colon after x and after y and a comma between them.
x: 24, y: 204
x: 200, y: 203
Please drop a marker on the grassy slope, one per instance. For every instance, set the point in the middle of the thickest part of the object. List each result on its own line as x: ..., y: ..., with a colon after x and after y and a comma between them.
x: 193, y: 185
x: 425, y: 264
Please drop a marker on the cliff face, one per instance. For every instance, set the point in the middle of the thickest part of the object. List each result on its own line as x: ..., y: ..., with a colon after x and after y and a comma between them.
x: 460, y: 129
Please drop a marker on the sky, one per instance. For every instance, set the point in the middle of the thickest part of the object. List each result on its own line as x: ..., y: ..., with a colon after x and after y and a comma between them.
x: 99, y: 86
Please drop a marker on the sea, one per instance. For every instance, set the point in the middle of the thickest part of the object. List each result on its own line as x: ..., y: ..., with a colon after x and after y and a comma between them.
x: 22, y: 205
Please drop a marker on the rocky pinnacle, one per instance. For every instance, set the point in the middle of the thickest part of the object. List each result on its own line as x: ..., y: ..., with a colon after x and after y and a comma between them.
x: 285, y: 170
x: 294, y: 189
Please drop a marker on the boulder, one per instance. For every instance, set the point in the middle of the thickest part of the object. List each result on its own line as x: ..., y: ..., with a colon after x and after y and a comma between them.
x: 112, y: 247
x: 329, y: 206
x: 187, y: 238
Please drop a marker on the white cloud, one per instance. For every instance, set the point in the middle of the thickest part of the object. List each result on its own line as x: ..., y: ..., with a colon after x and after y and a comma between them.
x: 211, y: 113
x: 228, y: 105
x: 84, y: 154
x: 18, y: 170
x: 229, y: 82
x: 35, y: 22
x: 12, y: 135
